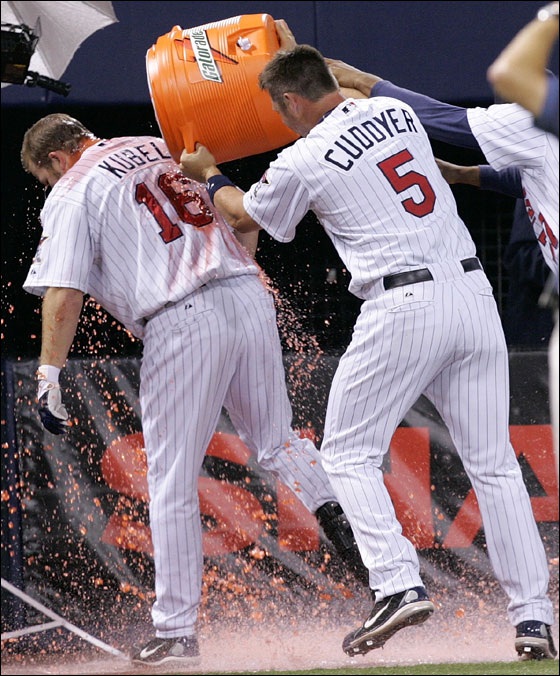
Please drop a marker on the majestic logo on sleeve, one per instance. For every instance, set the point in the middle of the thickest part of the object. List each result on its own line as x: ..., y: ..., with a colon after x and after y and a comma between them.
x: 204, y: 57
x: 264, y: 181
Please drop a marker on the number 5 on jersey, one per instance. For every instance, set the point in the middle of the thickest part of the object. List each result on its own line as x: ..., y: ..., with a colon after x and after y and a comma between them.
x: 400, y: 183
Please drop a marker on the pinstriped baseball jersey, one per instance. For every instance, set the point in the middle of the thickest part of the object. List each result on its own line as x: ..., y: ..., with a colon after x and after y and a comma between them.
x: 141, y: 249
x: 372, y: 156
x: 508, y: 137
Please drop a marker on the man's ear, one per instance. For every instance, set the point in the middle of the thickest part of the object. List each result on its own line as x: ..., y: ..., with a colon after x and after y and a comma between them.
x: 59, y: 160
x: 291, y: 102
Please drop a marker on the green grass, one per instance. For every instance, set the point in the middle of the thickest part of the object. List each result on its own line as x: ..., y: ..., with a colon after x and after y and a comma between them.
x: 507, y: 668
x: 469, y: 669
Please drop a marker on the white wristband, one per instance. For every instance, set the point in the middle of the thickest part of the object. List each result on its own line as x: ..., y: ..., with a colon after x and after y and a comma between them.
x: 548, y: 12
x: 48, y: 373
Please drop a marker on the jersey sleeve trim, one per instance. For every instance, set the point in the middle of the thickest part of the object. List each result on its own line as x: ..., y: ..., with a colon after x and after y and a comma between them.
x: 40, y: 287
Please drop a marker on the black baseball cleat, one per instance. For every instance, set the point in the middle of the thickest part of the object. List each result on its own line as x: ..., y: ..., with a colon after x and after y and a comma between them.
x: 181, y: 651
x: 337, y: 528
x: 392, y: 613
x: 533, y: 641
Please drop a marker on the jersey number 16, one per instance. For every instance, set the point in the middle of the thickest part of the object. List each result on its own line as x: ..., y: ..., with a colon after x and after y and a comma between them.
x: 188, y: 204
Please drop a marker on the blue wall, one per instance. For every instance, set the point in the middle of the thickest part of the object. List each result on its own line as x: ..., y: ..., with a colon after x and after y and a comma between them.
x: 439, y: 48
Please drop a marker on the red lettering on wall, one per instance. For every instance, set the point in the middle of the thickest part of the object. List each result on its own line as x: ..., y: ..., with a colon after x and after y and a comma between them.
x: 228, y: 447
x: 409, y: 484
x: 124, y: 466
x: 238, y: 517
x: 237, y: 514
x: 534, y: 442
x: 297, y: 528
x: 126, y: 533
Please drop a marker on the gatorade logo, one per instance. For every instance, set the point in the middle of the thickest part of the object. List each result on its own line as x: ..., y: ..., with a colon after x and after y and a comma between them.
x: 204, y: 58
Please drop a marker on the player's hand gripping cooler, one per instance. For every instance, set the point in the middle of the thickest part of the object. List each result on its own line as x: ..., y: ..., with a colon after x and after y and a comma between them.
x: 204, y: 87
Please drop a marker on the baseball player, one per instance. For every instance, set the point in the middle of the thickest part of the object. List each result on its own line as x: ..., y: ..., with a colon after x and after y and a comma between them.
x: 428, y: 325
x: 123, y: 224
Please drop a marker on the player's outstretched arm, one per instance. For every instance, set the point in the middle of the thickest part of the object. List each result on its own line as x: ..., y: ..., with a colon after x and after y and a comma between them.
x: 201, y: 166
x: 455, y: 173
x: 507, y: 181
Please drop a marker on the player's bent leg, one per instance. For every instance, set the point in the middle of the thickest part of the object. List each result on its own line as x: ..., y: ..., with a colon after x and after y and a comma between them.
x: 372, y: 390
x: 376, y: 382
x: 259, y: 408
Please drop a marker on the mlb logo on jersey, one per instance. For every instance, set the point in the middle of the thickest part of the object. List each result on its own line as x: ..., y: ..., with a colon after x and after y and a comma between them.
x: 349, y: 107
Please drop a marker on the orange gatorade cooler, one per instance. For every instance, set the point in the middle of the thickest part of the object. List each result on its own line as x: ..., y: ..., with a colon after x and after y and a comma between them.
x: 204, y: 87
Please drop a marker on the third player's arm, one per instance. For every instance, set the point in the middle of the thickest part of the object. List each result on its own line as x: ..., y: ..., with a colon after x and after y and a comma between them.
x: 518, y: 74
x: 442, y: 121
x: 507, y: 181
x: 351, y: 78
x: 455, y: 173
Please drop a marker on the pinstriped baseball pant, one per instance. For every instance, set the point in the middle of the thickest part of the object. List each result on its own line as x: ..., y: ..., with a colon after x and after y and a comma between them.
x: 443, y: 339
x: 220, y: 346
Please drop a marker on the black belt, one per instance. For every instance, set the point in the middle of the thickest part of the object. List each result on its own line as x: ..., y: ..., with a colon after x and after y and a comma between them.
x: 424, y: 275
